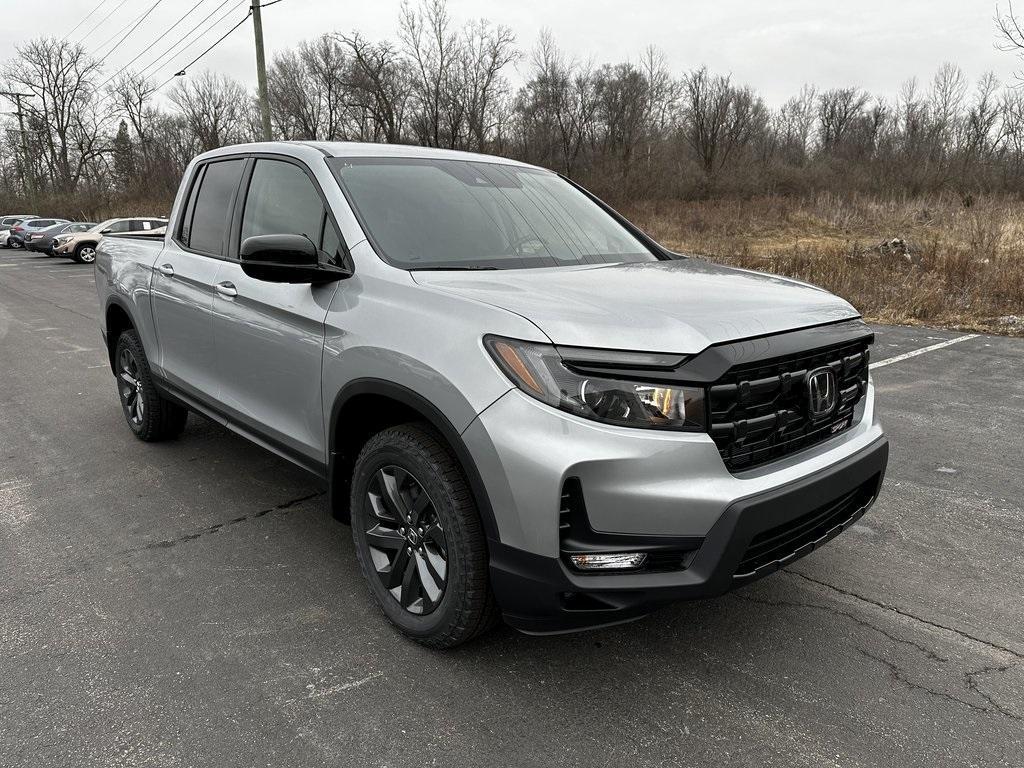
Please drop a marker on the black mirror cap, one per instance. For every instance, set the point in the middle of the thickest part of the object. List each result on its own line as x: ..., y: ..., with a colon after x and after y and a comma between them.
x: 284, y: 259
x: 285, y: 250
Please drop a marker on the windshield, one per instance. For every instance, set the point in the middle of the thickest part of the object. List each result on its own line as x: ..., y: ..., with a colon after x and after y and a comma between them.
x: 457, y: 214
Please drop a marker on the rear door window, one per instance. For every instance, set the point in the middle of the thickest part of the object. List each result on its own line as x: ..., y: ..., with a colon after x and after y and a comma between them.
x: 211, y: 210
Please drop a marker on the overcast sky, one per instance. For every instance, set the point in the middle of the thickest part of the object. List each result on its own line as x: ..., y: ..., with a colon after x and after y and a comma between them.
x: 775, y: 45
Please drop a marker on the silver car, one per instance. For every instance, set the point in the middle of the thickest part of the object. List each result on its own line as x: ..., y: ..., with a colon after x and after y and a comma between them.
x: 8, y: 222
x: 524, y: 406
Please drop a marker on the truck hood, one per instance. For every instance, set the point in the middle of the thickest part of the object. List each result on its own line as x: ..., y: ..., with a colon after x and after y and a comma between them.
x: 680, y: 306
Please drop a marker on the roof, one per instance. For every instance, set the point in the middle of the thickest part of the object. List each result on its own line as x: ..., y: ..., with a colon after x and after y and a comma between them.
x: 365, y: 149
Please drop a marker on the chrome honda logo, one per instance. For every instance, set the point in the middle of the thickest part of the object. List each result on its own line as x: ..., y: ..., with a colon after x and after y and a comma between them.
x: 822, y: 392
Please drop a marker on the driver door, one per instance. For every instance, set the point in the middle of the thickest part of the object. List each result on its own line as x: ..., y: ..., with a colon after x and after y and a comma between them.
x: 270, y: 336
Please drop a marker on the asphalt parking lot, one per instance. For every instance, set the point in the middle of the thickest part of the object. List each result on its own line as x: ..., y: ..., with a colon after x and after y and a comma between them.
x: 192, y: 603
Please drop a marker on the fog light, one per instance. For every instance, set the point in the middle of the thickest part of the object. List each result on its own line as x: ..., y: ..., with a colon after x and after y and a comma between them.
x: 609, y: 562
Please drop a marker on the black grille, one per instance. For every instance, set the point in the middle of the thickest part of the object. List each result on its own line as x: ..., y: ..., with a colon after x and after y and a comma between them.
x: 759, y: 410
x: 777, y: 545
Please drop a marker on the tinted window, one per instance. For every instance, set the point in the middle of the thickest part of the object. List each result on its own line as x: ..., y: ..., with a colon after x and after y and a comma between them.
x: 141, y: 225
x: 330, y: 242
x: 212, y: 208
x: 185, y: 228
x: 41, y: 223
x: 455, y: 213
x: 282, y: 201
x: 116, y: 227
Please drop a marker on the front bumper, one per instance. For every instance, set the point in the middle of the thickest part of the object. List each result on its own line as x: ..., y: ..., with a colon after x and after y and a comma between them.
x: 39, y: 246
x: 63, y: 249
x: 540, y: 594
x: 646, y: 491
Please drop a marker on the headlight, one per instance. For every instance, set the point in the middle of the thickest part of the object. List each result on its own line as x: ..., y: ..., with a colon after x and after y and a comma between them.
x: 61, y: 238
x: 539, y: 371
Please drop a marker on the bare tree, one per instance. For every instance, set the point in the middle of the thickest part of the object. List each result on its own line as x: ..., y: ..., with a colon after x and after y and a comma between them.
x: 838, y: 110
x: 295, y: 99
x: 720, y: 119
x: 795, y: 125
x: 486, y: 51
x: 429, y: 40
x: 380, y: 84
x: 61, y: 79
x: 214, y: 109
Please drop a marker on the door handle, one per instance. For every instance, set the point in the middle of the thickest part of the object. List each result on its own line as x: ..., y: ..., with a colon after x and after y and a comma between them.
x: 226, y: 289
x: 166, y: 269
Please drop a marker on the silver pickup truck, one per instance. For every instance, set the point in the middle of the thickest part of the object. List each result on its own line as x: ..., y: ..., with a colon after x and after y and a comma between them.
x: 524, y: 406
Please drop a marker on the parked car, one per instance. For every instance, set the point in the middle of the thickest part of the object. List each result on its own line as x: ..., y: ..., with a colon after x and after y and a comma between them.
x: 43, y: 241
x: 522, y: 404
x: 81, y: 246
x: 6, y: 222
x: 21, y: 230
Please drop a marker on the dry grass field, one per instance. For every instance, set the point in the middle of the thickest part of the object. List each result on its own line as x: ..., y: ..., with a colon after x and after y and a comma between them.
x: 938, y: 261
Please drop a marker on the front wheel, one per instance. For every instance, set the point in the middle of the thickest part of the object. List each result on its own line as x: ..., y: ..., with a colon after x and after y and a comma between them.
x: 85, y: 254
x: 419, y: 538
x: 149, y: 415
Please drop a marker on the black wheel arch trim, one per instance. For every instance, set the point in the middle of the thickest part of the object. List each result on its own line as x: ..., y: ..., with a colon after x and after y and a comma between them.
x: 434, y: 416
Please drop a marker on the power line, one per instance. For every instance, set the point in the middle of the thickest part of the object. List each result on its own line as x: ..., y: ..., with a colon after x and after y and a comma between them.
x: 102, y: 21
x: 190, y: 37
x: 135, y: 26
x: 90, y: 13
x: 197, y: 58
x: 148, y: 47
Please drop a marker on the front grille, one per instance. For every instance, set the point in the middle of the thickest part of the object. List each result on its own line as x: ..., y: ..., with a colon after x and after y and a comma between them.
x: 776, y: 546
x: 759, y: 410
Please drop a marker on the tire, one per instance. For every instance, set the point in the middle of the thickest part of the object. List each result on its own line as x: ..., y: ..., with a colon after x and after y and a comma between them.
x: 150, y: 416
x: 85, y: 253
x: 12, y: 243
x: 446, y: 530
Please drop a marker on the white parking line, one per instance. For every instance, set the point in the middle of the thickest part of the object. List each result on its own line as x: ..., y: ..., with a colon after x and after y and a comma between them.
x: 921, y: 351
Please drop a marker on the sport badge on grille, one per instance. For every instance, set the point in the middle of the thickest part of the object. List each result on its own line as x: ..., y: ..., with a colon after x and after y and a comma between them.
x: 822, y: 392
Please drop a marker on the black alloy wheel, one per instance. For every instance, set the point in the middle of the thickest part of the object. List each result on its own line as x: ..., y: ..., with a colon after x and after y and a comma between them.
x: 419, y: 537
x: 406, y: 541
x: 149, y: 414
x: 129, y: 387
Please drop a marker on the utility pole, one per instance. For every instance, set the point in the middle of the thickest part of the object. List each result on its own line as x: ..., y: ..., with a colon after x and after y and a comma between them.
x: 23, y: 157
x: 261, y: 70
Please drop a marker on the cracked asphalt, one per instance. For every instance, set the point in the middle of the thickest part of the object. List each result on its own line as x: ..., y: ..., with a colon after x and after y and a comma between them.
x: 193, y: 604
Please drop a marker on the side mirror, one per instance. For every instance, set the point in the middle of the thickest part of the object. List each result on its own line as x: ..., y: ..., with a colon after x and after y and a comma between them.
x: 282, y: 259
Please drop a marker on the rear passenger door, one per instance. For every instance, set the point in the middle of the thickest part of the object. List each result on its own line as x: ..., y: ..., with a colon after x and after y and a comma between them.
x: 270, y: 336
x: 183, y: 279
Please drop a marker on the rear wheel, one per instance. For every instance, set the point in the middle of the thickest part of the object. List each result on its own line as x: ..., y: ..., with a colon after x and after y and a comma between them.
x: 12, y: 243
x: 149, y: 415
x: 419, y: 539
x: 85, y: 254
